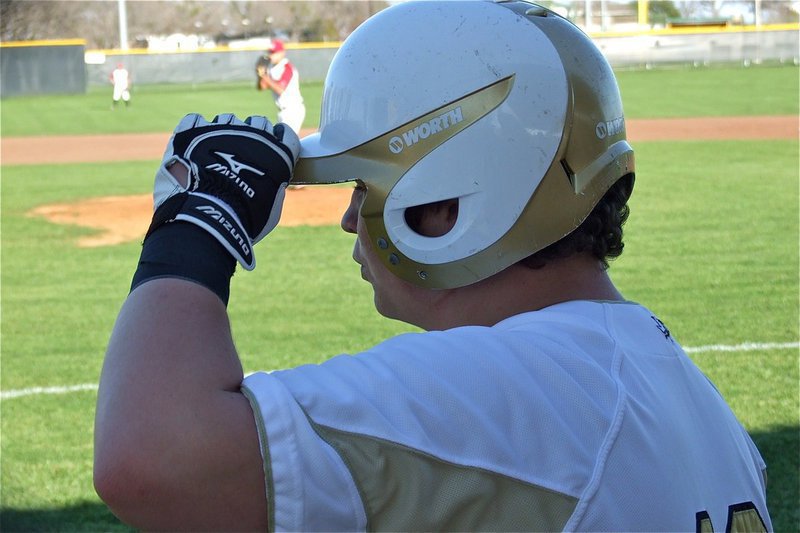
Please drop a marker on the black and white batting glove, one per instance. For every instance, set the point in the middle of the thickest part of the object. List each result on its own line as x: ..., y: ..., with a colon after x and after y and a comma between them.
x: 238, y: 173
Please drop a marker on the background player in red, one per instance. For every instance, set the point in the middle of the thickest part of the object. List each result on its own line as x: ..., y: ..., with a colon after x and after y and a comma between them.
x: 280, y: 76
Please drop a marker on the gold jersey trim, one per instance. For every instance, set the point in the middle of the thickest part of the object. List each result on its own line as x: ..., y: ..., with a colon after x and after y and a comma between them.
x: 404, y: 489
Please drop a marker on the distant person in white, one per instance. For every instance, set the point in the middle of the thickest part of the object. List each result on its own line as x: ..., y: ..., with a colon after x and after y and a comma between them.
x: 121, y: 80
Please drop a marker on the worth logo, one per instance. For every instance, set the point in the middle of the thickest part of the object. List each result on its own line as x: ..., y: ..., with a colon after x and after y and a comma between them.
x: 609, y: 128
x: 421, y: 132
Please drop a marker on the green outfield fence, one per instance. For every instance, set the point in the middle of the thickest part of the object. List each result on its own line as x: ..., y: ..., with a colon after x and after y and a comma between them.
x: 42, y: 67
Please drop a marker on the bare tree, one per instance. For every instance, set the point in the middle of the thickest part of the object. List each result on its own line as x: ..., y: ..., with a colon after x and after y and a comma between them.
x: 97, y: 21
x: 325, y: 20
x: 772, y: 11
x: 24, y: 20
x: 779, y: 11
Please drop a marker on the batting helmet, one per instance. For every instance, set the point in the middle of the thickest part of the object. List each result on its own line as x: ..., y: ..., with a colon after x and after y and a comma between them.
x: 505, y: 106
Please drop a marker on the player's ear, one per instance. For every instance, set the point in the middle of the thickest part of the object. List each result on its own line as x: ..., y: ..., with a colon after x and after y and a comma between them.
x: 434, y: 219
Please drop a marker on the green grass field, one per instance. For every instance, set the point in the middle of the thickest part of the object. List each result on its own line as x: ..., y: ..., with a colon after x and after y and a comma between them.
x: 711, y: 247
x: 646, y: 94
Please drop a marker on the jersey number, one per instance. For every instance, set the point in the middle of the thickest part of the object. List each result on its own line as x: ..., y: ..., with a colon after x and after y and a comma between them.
x: 741, y: 517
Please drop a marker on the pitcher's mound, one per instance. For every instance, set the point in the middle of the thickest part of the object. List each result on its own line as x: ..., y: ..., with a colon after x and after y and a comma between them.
x: 121, y: 219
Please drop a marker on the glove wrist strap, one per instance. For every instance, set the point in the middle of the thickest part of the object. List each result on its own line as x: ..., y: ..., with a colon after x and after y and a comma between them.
x: 185, y: 251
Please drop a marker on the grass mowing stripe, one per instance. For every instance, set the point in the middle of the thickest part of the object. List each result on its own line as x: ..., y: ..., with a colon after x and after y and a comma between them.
x: 743, y: 347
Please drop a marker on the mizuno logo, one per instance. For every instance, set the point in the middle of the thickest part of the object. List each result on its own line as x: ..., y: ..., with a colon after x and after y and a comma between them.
x: 228, y: 226
x: 237, y: 167
x: 232, y: 171
x: 422, y: 131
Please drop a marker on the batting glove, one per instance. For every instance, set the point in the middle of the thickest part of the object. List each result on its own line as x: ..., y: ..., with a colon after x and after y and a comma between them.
x: 238, y: 173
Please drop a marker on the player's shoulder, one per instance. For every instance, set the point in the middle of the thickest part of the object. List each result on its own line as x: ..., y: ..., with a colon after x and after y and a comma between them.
x: 539, y: 340
x: 623, y: 322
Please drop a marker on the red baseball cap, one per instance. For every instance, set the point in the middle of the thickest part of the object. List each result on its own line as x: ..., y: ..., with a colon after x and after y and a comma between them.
x: 277, y: 46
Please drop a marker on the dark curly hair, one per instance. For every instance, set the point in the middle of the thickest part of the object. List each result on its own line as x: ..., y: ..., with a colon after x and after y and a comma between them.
x: 600, y: 233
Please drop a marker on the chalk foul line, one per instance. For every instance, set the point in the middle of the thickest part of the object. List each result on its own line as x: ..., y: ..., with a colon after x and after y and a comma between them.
x: 34, y: 391
x: 744, y: 347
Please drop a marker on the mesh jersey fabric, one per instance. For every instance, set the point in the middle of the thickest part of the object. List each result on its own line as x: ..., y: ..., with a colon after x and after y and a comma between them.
x: 581, y: 416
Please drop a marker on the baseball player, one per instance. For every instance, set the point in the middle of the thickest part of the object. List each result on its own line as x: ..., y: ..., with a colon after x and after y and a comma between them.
x: 276, y: 73
x: 492, y: 175
x: 121, y: 80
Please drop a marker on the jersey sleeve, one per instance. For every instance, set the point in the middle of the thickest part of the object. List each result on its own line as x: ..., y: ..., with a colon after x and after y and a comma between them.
x: 308, y: 486
x: 286, y: 76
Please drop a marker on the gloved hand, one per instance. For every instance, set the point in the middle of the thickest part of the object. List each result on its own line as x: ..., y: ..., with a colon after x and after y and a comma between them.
x: 237, y: 177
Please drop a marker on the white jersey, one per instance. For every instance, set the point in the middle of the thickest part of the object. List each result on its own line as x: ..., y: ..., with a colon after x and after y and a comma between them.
x: 581, y: 416
x: 291, y: 109
x: 287, y: 76
x: 120, y: 78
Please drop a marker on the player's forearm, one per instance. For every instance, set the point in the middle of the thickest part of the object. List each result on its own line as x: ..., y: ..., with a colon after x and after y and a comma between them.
x: 169, y: 361
x: 171, y: 348
x: 275, y: 86
x: 177, y: 325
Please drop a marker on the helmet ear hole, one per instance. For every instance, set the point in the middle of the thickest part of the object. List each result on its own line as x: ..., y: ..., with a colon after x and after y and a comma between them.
x: 434, y: 219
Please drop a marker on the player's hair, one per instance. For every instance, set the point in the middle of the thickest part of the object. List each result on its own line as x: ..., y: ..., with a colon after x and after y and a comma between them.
x: 600, y: 234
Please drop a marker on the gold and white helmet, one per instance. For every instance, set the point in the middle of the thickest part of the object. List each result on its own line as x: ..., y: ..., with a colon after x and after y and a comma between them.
x: 505, y: 106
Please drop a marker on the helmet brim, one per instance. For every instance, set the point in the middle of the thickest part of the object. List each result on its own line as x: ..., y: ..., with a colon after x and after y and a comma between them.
x: 312, y: 167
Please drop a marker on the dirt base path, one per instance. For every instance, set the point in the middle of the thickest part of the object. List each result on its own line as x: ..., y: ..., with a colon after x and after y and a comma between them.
x: 143, y: 146
x: 124, y: 219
